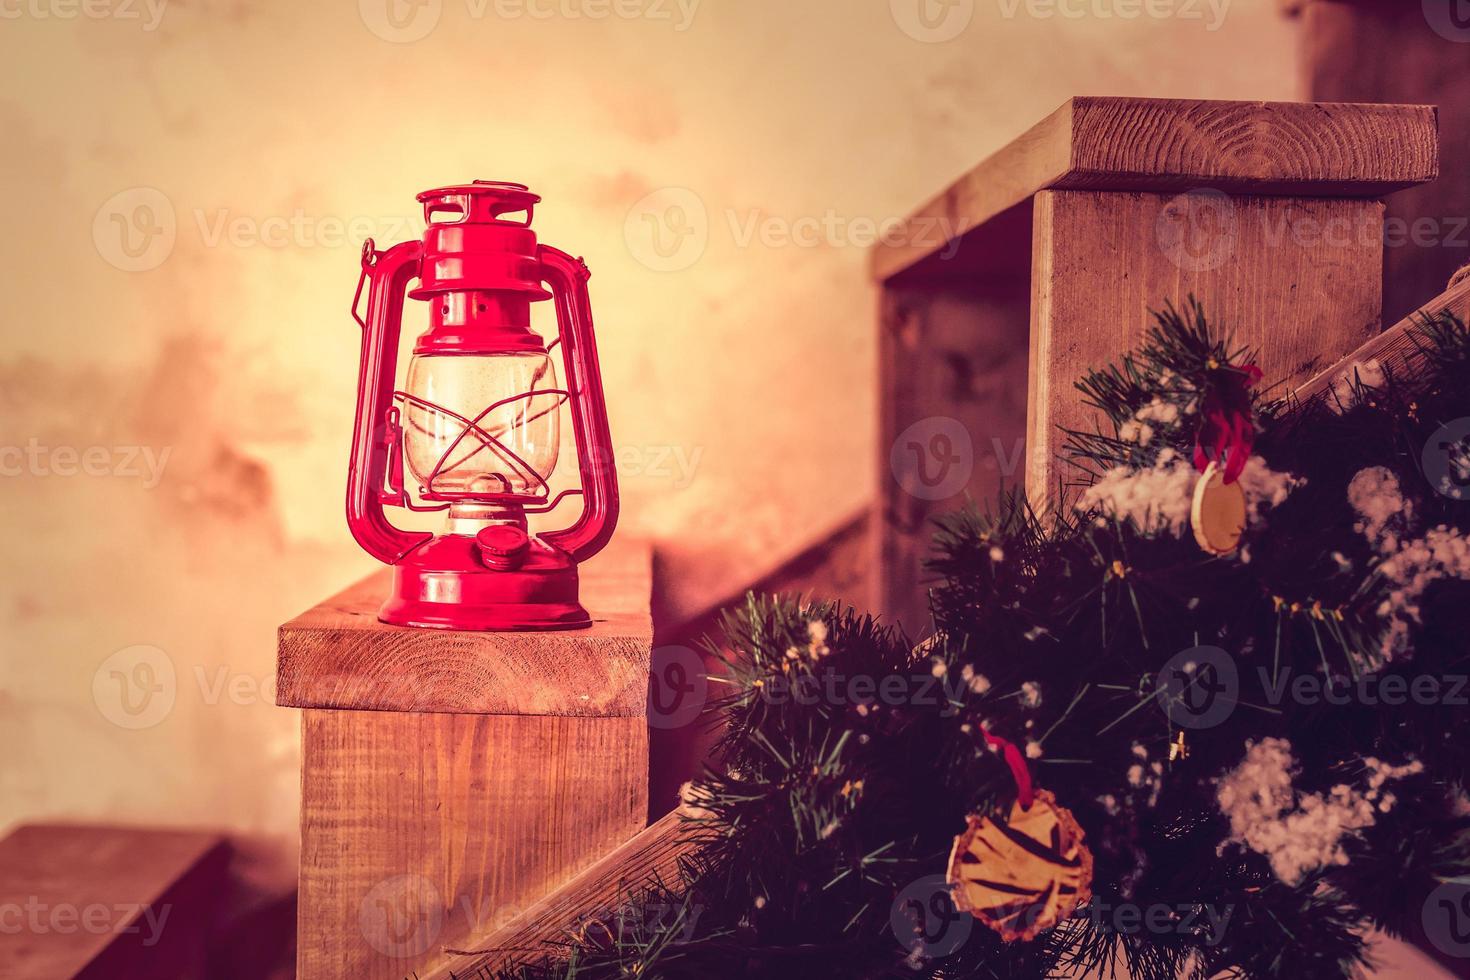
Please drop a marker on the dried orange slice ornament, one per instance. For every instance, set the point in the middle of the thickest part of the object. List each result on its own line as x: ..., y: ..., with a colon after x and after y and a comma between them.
x: 1024, y: 875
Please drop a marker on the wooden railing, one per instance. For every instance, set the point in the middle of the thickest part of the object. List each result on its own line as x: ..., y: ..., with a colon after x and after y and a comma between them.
x: 450, y: 775
x: 546, y: 928
x: 1043, y: 262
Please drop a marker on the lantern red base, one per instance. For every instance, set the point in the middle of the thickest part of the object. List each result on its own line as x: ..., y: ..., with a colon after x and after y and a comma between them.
x: 444, y: 584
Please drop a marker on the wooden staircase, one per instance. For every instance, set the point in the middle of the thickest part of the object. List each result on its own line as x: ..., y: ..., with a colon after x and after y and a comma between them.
x: 468, y: 799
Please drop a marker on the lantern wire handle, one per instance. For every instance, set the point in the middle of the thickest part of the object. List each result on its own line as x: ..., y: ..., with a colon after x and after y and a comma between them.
x: 369, y: 259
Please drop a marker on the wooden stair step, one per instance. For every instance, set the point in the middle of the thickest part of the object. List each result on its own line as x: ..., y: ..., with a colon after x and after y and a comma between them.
x: 107, y: 903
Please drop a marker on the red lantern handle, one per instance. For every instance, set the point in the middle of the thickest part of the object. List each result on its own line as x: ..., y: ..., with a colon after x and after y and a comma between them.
x: 375, y: 434
x: 567, y: 278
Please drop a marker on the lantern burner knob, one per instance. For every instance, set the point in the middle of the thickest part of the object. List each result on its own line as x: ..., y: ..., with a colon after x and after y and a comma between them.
x: 502, y: 546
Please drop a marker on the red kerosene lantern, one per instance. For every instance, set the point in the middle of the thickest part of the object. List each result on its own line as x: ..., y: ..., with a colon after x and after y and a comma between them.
x: 478, y: 421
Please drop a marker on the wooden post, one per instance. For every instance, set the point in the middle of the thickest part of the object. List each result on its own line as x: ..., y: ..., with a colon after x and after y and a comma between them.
x: 1054, y: 250
x: 451, y: 779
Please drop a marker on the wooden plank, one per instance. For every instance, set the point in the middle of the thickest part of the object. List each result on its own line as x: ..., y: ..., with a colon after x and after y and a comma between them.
x: 1262, y: 148
x: 1390, y: 51
x: 420, y: 832
x: 1394, y: 349
x: 1297, y: 279
x: 595, y: 895
x: 337, y: 654
x: 106, y: 902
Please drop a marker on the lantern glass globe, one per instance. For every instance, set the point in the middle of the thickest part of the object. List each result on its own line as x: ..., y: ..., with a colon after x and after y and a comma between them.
x: 482, y: 424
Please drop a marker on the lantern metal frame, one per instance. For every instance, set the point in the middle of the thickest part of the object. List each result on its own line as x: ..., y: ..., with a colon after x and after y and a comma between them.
x: 480, y: 270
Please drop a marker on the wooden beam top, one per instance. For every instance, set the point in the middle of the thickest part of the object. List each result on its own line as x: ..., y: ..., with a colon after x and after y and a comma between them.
x: 1312, y: 149
x: 337, y: 654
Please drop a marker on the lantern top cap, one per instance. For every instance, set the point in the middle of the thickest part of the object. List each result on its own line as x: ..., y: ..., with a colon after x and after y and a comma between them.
x: 478, y: 202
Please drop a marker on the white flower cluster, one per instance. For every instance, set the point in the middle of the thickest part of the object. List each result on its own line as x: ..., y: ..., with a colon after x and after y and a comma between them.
x: 1299, y: 832
x: 1409, y: 566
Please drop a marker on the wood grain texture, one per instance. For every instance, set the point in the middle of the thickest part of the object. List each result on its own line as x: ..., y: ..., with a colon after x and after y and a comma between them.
x: 107, y: 903
x: 1385, y: 51
x: 337, y: 654
x: 595, y: 896
x: 1296, y: 279
x: 422, y: 832
x: 1395, y: 349
x: 1264, y: 148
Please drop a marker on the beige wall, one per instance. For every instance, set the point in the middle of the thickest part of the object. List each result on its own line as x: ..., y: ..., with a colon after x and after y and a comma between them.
x: 741, y: 383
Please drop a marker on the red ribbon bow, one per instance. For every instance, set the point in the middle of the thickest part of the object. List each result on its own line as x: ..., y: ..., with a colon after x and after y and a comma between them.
x: 1226, y: 428
x: 1024, y: 790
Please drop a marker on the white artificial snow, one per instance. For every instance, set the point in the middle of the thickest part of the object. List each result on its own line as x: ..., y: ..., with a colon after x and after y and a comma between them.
x: 1140, y: 430
x: 1409, y: 565
x: 1264, y: 487
x: 1154, y: 499
x: 1343, y: 396
x: 691, y: 803
x: 1159, y: 498
x: 1442, y: 553
x: 978, y: 683
x: 1375, y: 494
x: 817, y: 632
x: 1299, y: 832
